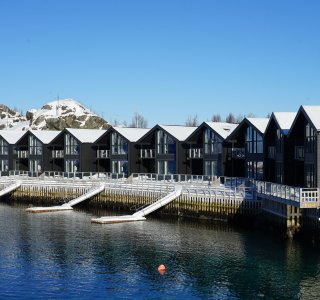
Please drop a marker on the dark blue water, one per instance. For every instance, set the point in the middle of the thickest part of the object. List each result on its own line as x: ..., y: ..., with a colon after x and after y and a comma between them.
x: 62, y: 255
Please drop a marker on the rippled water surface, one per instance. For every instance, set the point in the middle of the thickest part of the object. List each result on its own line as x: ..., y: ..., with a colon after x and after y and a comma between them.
x: 62, y: 255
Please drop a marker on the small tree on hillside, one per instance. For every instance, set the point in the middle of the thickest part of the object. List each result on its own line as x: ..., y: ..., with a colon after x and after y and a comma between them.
x: 139, y: 121
x: 231, y: 118
x: 216, y: 118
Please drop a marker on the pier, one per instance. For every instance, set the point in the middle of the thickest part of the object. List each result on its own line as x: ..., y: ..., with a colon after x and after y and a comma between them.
x: 199, y: 196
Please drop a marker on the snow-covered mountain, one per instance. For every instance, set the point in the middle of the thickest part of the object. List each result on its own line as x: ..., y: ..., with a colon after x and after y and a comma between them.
x: 10, y: 119
x: 56, y: 115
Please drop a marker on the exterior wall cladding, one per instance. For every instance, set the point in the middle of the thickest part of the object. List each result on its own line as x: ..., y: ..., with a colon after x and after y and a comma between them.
x: 256, y: 148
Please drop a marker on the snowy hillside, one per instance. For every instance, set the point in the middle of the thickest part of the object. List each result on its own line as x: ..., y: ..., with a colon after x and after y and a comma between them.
x: 56, y: 115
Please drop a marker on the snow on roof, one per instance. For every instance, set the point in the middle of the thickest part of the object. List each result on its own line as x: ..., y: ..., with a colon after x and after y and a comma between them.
x: 223, y: 129
x: 313, y: 113
x: 86, y: 135
x: 181, y: 133
x: 285, y: 119
x: 259, y: 123
x: 12, y: 136
x: 45, y: 136
x: 130, y: 133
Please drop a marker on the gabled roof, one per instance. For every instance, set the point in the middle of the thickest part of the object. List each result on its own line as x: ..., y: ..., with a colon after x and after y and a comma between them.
x: 181, y: 133
x: 284, y: 120
x: 313, y: 112
x: 221, y: 128
x: 132, y: 134
x: 12, y: 136
x: 86, y: 135
x: 45, y: 136
x: 259, y: 123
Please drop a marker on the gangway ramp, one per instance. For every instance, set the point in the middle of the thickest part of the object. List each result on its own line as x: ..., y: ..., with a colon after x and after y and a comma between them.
x: 13, y: 186
x: 140, y: 215
x: 69, y: 205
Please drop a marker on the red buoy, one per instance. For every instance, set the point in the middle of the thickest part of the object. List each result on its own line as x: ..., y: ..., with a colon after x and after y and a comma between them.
x: 162, y: 269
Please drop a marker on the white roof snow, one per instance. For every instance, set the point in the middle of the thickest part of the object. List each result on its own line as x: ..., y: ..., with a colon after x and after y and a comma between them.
x: 45, y: 136
x: 285, y: 119
x: 86, y: 135
x: 259, y: 123
x: 12, y: 136
x: 314, y: 114
x: 181, y: 133
x: 130, y: 133
x: 221, y: 128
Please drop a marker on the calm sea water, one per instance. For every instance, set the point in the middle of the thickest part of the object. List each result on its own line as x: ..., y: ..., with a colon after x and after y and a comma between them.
x: 62, y: 255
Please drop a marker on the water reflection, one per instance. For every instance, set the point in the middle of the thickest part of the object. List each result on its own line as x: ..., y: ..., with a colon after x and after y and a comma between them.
x: 59, y: 255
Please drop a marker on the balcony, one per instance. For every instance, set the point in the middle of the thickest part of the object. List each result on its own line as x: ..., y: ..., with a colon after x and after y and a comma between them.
x: 299, y: 152
x: 272, y: 152
x: 195, y: 153
x: 22, y: 153
x: 57, y: 153
x: 238, y: 153
x: 147, y: 153
x: 103, y: 153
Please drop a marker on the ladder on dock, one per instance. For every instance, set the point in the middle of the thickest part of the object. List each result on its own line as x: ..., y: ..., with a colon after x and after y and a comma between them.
x: 140, y: 215
x: 68, y: 206
x: 10, y: 188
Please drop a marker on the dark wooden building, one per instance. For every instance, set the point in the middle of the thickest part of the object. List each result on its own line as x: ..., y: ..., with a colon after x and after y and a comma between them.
x: 244, y: 149
x: 163, y: 150
x: 304, y: 147
x: 117, y: 150
x: 8, y: 150
x: 205, y: 153
x: 276, y: 148
x: 73, y: 150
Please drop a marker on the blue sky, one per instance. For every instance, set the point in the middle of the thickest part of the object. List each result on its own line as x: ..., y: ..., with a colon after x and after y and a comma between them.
x: 166, y: 60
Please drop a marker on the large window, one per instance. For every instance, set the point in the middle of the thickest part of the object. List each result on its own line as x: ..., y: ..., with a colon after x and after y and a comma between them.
x: 166, y: 167
x: 212, y: 142
x: 310, y: 142
x: 35, y: 165
x: 165, y: 143
x: 120, y: 167
x: 4, y: 147
x: 212, y: 167
x: 279, y: 141
x: 254, y: 141
x: 72, y: 165
x: 309, y: 176
x: 255, y: 170
x: 119, y: 145
x: 71, y: 145
x: 279, y: 172
x: 4, y: 165
x: 35, y: 146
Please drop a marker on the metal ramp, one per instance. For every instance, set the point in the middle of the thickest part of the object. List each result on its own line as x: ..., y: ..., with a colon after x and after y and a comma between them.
x: 140, y: 215
x: 68, y: 205
x: 10, y: 188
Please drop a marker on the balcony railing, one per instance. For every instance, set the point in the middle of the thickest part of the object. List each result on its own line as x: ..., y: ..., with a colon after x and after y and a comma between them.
x: 238, y: 153
x: 103, y: 153
x: 147, y: 153
x: 22, y: 153
x: 195, y: 153
x: 299, y: 152
x: 57, y: 153
x: 272, y: 152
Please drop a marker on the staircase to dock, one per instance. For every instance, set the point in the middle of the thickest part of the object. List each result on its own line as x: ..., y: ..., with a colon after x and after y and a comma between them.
x: 11, y: 187
x: 68, y: 206
x: 140, y: 215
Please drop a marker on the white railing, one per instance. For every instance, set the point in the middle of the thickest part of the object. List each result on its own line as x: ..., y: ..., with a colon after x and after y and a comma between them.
x: 103, y: 153
x: 299, y: 152
x: 147, y: 153
x: 238, y: 153
x: 195, y: 153
x: 22, y: 153
x: 57, y: 154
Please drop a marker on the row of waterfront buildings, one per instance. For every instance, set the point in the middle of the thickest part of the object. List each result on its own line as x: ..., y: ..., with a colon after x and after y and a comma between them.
x: 282, y: 149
